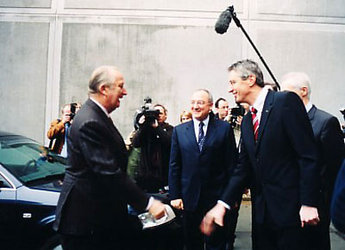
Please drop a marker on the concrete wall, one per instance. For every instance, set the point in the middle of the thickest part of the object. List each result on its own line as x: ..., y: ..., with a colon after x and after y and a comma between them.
x: 165, y: 49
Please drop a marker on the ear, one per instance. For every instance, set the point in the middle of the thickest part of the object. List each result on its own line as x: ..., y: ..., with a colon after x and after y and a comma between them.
x: 102, y: 89
x: 252, y: 80
x: 304, y: 91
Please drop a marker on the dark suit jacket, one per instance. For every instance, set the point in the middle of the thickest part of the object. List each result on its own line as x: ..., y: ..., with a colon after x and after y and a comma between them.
x: 338, y: 201
x: 96, y: 189
x: 281, y: 166
x: 330, y: 149
x: 199, y: 178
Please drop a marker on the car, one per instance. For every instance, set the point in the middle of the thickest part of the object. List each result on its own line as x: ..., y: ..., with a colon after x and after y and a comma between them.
x: 30, y: 183
x: 31, y: 178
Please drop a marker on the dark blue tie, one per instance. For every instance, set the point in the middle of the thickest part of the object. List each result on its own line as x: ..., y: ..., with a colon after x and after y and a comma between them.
x: 201, y: 138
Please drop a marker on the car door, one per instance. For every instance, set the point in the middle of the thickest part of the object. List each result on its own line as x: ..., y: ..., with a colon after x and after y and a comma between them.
x: 8, y: 211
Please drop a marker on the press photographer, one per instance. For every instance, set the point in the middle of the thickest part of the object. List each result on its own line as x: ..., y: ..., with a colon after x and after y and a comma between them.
x: 57, y: 132
x: 153, y: 137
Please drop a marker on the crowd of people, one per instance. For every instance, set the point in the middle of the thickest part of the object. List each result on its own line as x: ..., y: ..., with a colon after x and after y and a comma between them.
x: 277, y: 144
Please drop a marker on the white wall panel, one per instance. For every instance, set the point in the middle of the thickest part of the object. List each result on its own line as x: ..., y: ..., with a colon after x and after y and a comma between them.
x: 25, y: 3
x: 23, y: 67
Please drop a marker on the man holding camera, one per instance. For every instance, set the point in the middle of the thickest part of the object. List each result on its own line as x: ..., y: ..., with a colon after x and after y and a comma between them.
x: 57, y: 130
x: 153, y: 138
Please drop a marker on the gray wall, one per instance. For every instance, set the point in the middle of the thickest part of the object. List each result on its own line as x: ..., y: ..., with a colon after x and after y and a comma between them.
x: 165, y: 49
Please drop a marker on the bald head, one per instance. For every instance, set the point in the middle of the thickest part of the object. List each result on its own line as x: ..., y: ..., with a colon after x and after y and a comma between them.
x: 106, y: 86
x: 298, y: 82
x: 102, y: 75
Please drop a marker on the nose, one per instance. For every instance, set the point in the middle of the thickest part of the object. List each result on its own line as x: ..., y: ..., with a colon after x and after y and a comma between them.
x: 195, y: 105
x: 230, y: 88
x: 124, y: 91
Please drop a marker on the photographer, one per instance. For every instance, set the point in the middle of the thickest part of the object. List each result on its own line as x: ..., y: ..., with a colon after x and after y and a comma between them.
x: 153, y: 137
x: 58, y: 127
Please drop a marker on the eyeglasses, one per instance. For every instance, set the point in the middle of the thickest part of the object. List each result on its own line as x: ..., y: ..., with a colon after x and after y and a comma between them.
x: 199, y: 102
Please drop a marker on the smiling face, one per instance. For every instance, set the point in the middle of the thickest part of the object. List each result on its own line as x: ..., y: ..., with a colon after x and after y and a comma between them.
x: 200, y: 105
x: 238, y: 87
x: 114, y: 92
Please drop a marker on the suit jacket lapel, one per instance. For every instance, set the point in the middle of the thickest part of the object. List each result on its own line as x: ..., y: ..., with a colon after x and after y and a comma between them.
x: 209, y: 133
x: 115, y: 134
x: 190, y: 135
x: 264, y: 115
x: 311, y: 113
x: 248, y: 133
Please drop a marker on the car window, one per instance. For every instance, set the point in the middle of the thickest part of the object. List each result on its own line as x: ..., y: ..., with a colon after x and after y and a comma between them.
x: 29, y: 161
x: 3, y: 182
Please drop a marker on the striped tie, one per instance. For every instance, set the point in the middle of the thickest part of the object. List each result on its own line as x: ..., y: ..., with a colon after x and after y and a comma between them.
x: 201, y: 138
x: 255, y: 123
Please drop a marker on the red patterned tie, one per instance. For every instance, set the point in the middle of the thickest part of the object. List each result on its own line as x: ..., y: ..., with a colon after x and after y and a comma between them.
x: 255, y: 122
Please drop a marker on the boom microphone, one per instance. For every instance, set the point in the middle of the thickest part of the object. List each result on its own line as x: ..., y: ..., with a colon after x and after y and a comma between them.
x: 223, y: 22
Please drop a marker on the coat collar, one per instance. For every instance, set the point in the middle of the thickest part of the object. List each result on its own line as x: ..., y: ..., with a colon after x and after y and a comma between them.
x: 311, y: 112
x: 265, y: 114
x: 115, y: 134
x: 248, y: 124
x: 190, y: 133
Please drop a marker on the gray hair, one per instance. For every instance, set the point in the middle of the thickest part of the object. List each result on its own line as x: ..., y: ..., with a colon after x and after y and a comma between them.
x: 102, y: 75
x: 210, y: 97
x: 297, y: 80
x: 246, y: 68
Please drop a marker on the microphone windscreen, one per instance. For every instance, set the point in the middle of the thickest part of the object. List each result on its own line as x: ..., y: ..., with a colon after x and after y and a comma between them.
x: 223, y: 22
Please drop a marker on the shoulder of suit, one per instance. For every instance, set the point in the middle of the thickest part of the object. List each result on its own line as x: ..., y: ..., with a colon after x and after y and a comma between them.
x: 223, y: 123
x: 323, y: 114
x: 183, y: 125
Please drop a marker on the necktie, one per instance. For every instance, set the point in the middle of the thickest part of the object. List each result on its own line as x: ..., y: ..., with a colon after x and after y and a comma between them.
x: 255, y: 122
x: 201, y: 138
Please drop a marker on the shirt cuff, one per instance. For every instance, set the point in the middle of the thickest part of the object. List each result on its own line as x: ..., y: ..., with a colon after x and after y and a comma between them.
x: 149, y: 203
x: 224, y: 204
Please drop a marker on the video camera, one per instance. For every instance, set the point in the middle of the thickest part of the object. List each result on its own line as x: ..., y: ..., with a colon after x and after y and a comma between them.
x: 73, y: 106
x: 151, y: 114
x: 236, y: 112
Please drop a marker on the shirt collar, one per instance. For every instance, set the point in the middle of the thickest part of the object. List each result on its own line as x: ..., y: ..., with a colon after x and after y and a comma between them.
x: 205, y: 121
x: 308, y: 106
x: 260, y: 100
x: 100, y: 105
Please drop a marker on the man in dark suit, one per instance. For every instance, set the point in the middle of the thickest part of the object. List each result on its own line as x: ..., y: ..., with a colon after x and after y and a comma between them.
x: 203, y: 153
x: 330, y: 152
x: 338, y: 201
x: 277, y: 160
x: 92, y: 208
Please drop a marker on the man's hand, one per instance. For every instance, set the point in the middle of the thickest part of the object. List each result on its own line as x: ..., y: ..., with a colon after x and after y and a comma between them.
x: 178, y: 204
x: 214, y: 216
x: 308, y: 215
x: 155, y: 124
x: 157, y: 209
x: 141, y: 120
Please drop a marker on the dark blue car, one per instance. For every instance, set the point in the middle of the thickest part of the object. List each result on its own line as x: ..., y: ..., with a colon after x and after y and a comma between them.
x: 30, y: 183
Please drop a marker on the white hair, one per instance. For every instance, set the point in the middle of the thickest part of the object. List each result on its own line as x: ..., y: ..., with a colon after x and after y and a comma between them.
x: 297, y: 80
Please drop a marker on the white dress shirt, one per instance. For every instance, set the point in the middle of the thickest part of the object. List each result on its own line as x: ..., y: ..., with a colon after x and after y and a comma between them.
x: 196, y: 126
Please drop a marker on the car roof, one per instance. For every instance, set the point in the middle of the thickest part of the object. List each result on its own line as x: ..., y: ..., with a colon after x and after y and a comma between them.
x: 6, y: 134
